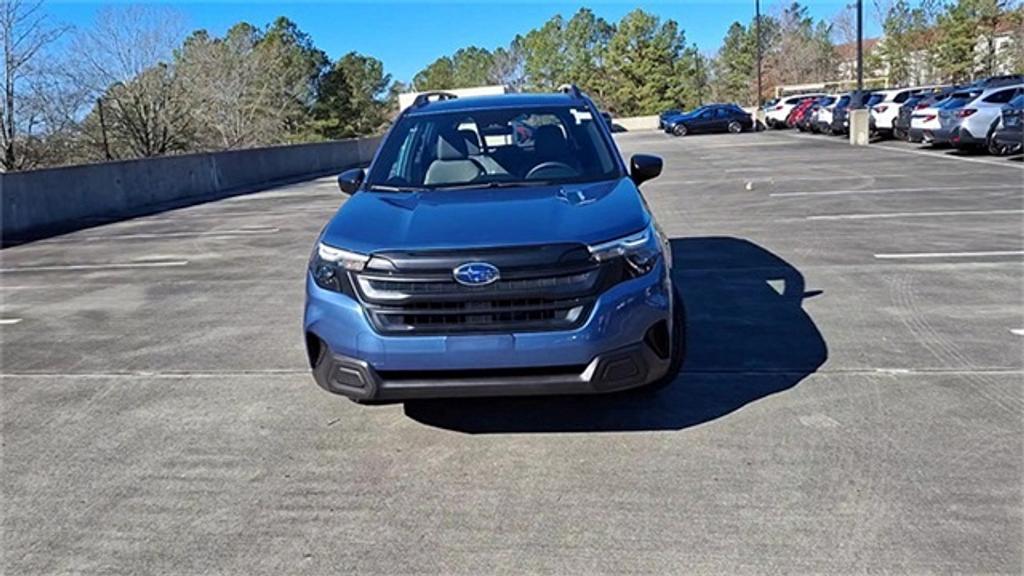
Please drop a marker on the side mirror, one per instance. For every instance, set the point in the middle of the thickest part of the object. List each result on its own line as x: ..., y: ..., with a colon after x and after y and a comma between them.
x: 643, y: 167
x: 350, y: 180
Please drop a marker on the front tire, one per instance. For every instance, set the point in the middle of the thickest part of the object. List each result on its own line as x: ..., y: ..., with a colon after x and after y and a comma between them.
x: 680, y: 130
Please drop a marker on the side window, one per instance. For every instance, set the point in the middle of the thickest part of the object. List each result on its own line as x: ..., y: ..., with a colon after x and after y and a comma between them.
x: 901, y: 97
x: 1001, y: 97
x: 705, y: 115
x: 723, y: 113
x: 406, y: 153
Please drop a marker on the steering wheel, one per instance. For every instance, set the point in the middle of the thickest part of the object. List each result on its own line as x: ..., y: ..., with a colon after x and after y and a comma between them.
x: 549, y: 166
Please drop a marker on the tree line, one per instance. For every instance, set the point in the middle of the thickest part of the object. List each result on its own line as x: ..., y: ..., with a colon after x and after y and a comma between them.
x: 134, y: 85
x: 643, y: 65
x: 954, y: 42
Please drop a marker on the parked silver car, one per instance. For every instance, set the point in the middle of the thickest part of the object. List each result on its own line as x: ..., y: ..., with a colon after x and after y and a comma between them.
x: 970, y: 124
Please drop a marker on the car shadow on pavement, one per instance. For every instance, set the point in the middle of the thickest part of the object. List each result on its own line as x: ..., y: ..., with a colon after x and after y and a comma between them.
x: 748, y: 337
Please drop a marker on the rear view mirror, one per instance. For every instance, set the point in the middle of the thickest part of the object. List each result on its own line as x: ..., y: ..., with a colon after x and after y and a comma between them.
x: 643, y: 167
x: 350, y: 180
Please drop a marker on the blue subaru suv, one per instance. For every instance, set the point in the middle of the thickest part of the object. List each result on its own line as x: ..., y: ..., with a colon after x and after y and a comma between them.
x: 496, y: 246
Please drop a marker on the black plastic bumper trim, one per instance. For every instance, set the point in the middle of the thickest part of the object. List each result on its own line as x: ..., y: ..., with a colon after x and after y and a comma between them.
x: 619, y: 369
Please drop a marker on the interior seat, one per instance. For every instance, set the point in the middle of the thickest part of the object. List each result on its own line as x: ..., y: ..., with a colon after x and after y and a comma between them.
x: 473, y: 148
x: 453, y: 164
x: 550, y: 145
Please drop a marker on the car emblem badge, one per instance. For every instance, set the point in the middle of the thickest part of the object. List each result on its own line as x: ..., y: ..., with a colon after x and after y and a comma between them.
x: 476, y: 274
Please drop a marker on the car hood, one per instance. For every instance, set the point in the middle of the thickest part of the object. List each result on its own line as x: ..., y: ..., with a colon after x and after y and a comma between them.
x: 487, y: 217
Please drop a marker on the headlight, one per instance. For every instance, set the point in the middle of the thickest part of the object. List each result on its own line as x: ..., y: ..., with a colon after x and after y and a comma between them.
x: 640, y: 251
x: 329, y: 267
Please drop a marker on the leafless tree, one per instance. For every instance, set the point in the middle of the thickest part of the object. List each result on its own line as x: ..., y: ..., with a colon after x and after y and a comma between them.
x: 844, y: 25
x: 241, y: 92
x: 126, y: 60
x: 26, y: 33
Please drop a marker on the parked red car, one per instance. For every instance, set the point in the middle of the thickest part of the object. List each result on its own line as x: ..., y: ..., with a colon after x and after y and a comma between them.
x: 799, y: 111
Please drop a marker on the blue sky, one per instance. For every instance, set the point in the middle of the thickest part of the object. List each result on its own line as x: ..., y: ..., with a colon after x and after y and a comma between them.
x: 408, y: 35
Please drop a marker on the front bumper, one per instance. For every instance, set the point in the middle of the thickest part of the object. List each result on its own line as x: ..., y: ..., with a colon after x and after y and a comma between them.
x: 620, y: 369
x: 608, y: 352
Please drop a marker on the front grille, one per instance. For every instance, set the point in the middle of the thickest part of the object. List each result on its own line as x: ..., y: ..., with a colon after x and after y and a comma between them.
x: 489, y: 315
x: 546, y: 297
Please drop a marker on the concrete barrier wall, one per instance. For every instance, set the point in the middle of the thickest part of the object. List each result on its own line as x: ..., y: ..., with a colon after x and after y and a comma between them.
x: 44, y: 202
x: 635, y: 123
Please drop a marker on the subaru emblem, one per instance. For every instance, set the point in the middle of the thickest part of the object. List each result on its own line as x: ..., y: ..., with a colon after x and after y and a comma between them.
x: 476, y: 274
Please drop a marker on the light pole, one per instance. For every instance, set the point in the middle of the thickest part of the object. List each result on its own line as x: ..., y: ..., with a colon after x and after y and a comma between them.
x: 860, y: 52
x: 700, y: 75
x: 758, y: 114
x: 103, y: 128
x: 757, y: 34
x: 860, y: 117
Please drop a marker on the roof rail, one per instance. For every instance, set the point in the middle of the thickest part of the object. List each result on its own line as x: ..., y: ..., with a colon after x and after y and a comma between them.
x: 432, y: 96
x: 571, y: 89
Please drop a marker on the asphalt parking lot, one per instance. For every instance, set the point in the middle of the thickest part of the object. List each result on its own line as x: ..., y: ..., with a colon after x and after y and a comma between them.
x: 852, y: 400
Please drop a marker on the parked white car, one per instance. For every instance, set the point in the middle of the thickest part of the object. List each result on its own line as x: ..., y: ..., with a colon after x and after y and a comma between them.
x: 776, y: 116
x: 824, y: 117
x: 884, y: 113
x: 978, y: 118
x: 924, y: 121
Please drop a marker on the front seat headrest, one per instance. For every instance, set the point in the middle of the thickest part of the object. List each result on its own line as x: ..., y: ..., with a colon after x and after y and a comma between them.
x: 471, y: 140
x: 549, y: 141
x: 452, y: 146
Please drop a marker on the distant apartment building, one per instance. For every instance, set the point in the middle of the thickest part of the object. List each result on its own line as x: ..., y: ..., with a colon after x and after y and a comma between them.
x: 997, y: 58
x: 847, y: 57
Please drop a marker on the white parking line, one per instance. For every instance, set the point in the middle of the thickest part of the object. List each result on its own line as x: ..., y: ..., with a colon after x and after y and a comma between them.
x: 1003, y: 163
x: 8, y: 321
x: 895, y: 190
x: 781, y: 179
x: 911, y: 214
x: 1017, y: 331
x: 208, y: 233
x: 924, y: 255
x: 108, y: 266
x: 925, y: 153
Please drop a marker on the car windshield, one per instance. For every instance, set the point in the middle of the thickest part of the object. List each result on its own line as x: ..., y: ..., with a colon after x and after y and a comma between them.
x: 495, y: 147
x: 874, y: 99
x: 1017, y: 103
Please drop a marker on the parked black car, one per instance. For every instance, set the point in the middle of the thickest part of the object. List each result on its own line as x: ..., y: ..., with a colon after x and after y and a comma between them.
x: 841, y: 113
x: 711, y: 118
x: 1008, y: 137
x: 840, y: 117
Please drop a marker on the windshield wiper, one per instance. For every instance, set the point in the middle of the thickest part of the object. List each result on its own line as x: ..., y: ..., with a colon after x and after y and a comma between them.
x: 494, y: 184
x: 386, y: 188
